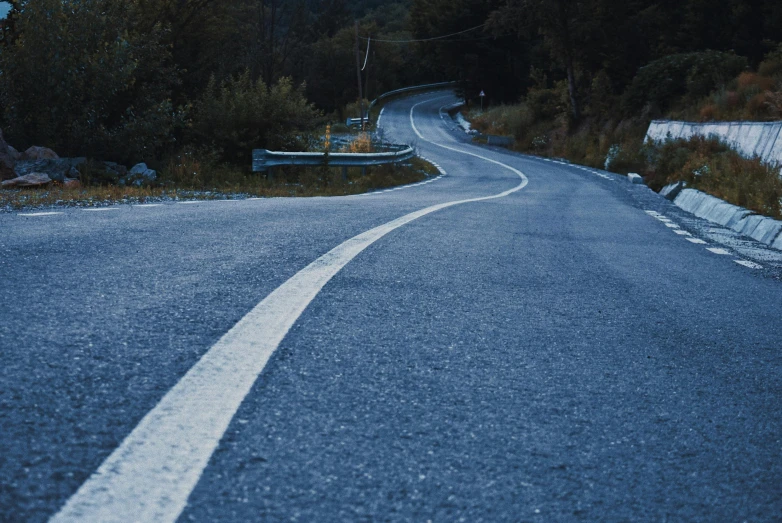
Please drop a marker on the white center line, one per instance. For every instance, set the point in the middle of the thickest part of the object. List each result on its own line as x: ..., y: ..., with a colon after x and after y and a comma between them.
x: 150, y: 476
x: 717, y: 250
x: 671, y: 225
x: 682, y: 233
x: 696, y: 240
x: 39, y: 214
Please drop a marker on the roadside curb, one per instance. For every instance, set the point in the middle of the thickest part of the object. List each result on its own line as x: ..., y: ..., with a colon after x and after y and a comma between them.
x: 743, y: 221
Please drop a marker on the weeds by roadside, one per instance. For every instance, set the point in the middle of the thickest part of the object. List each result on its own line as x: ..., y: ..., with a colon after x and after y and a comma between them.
x: 712, y: 167
x: 190, y: 180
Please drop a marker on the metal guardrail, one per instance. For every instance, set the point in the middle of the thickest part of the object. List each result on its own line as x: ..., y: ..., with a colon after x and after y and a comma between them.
x: 264, y: 160
x: 351, y: 122
x: 413, y: 89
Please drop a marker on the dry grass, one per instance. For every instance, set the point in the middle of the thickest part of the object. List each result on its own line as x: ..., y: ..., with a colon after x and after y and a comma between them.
x: 714, y: 168
x: 360, y: 144
x: 189, y: 180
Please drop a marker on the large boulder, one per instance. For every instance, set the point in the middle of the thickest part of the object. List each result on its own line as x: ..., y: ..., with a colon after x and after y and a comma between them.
x: 13, y: 153
x: 57, y: 169
x: 140, y: 175
x: 671, y: 191
x: 40, y: 153
x: 28, y: 180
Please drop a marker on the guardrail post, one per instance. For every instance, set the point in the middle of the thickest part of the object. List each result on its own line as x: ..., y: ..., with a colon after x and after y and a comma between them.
x: 363, y: 170
x: 344, y: 172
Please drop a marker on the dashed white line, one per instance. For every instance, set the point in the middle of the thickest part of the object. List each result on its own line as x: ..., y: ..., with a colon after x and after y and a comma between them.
x: 39, y: 214
x: 671, y: 225
x: 150, y: 476
x: 149, y: 205
x: 101, y: 209
x: 751, y: 265
x: 696, y: 241
x: 192, y: 201
x: 682, y: 233
x: 717, y: 250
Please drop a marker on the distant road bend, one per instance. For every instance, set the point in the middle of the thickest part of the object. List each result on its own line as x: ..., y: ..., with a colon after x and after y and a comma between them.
x: 517, y: 340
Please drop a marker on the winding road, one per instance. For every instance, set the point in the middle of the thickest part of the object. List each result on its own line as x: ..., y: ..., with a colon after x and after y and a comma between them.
x: 518, y: 339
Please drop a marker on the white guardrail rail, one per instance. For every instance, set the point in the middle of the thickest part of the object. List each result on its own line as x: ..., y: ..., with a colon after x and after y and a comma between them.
x: 405, y: 90
x: 266, y: 161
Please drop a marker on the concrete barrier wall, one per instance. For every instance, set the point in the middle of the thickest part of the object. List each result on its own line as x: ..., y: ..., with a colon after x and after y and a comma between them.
x: 750, y: 139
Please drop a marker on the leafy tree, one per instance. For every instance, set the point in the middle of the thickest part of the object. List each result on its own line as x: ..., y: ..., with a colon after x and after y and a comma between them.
x: 494, y: 63
x: 239, y: 114
x: 81, y: 78
x: 563, y: 24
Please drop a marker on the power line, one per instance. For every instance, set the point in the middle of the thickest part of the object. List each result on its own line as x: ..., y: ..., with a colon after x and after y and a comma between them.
x: 369, y: 41
x: 429, y: 39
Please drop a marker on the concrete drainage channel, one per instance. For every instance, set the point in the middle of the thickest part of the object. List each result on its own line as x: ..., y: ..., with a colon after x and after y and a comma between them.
x: 743, y: 221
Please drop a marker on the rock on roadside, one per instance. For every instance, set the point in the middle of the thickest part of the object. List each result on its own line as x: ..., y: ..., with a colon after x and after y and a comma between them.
x: 670, y: 192
x: 57, y: 169
x: 40, y: 153
x: 28, y: 180
x: 140, y: 175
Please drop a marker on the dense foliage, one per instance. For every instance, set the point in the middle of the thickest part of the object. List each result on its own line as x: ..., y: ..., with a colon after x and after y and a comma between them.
x: 147, y: 79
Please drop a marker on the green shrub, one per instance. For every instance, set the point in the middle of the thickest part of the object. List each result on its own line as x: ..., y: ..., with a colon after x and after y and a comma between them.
x: 506, y: 120
x: 662, y: 83
x: 772, y: 63
x: 242, y: 114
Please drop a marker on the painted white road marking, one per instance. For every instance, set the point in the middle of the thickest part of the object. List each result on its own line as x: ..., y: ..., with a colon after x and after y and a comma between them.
x: 150, y: 476
x: 39, y: 214
x: 671, y: 225
x: 682, y: 233
x: 149, y: 205
x: 192, y: 201
x: 746, y: 263
x: 717, y: 250
x: 101, y: 209
x: 696, y: 240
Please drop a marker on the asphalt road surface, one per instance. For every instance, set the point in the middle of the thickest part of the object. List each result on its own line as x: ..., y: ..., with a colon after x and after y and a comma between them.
x: 518, y: 340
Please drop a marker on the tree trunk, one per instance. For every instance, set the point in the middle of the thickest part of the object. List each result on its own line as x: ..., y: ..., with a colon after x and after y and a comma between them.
x: 567, y: 43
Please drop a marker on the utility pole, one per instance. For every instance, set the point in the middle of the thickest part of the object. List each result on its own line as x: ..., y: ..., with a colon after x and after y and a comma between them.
x: 358, y: 77
x: 366, y: 74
